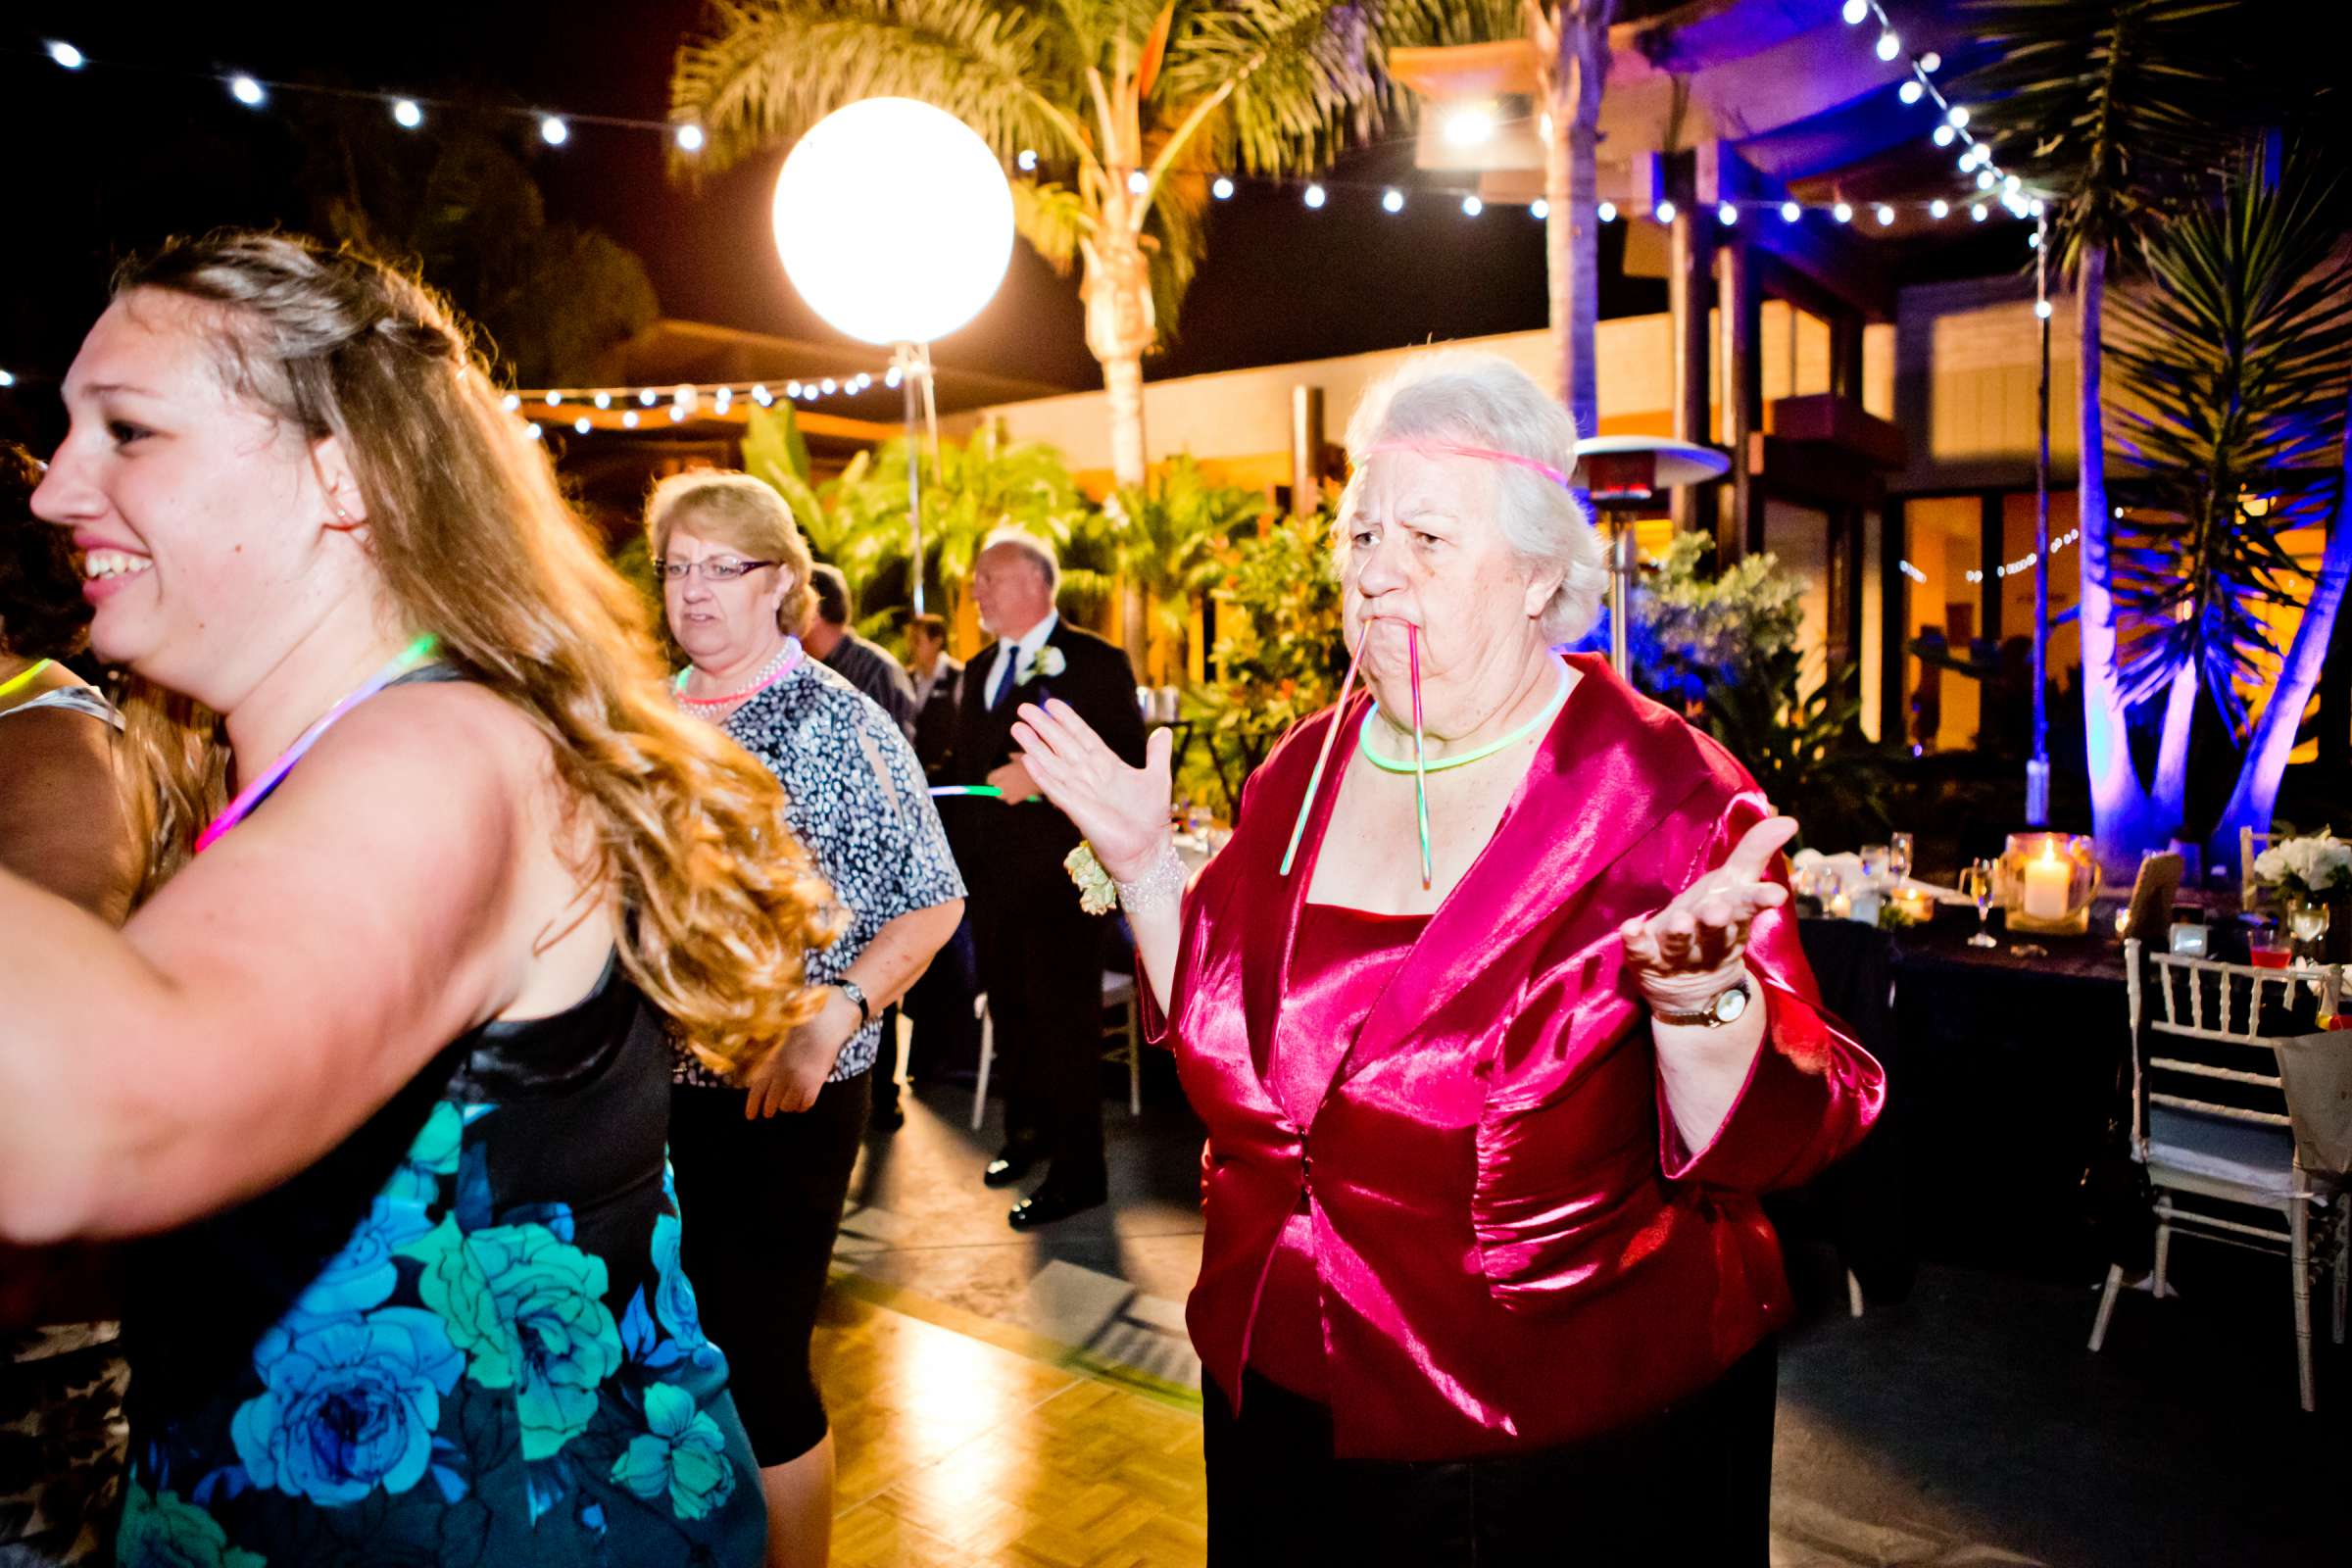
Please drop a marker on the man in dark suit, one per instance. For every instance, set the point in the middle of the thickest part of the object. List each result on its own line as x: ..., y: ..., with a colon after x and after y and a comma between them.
x: 830, y: 637
x: 1040, y: 955
x: 938, y: 690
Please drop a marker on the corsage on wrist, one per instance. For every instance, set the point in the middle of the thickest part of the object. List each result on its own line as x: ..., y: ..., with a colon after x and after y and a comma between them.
x: 1100, y: 893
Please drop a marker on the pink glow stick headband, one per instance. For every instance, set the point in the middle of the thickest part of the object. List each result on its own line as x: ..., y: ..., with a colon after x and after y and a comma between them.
x: 1449, y: 449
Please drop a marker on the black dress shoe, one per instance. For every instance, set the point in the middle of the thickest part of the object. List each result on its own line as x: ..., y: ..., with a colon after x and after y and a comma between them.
x: 1054, y: 1201
x: 885, y: 1117
x: 1012, y: 1163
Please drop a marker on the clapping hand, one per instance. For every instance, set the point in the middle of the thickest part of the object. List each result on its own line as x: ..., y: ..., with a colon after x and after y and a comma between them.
x: 1122, y: 811
x: 1697, y: 947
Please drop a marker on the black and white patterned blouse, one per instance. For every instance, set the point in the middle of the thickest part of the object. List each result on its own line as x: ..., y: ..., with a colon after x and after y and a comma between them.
x: 882, y: 849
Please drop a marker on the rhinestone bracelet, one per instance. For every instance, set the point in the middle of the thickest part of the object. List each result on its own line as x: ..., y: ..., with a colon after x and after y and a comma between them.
x: 1165, y: 879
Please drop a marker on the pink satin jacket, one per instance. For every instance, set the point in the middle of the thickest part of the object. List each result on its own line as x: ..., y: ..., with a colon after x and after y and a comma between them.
x: 1514, y: 1249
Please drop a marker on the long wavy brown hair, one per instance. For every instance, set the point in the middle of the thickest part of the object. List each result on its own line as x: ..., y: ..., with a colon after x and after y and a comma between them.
x: 476, y: 544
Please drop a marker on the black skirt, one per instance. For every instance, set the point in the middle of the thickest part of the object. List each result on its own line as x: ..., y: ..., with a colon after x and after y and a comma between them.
x: 1691, y: 1484
x: 759, y: 1205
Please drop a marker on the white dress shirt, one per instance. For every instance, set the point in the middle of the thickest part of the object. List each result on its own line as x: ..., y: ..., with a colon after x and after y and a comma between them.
x: 1020, y: 647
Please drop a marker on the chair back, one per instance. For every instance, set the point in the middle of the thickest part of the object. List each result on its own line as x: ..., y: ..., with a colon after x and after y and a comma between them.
x: 2204, y: 1034
x: 2249, y: 844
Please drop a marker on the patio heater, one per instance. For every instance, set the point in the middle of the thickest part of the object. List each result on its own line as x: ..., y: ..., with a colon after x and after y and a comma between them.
x: 1624, y: 475
x: 895, y: 223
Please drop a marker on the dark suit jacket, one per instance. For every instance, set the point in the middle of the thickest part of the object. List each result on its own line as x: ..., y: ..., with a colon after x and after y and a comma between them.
x: 1006, y: 848
x: 935, y: 720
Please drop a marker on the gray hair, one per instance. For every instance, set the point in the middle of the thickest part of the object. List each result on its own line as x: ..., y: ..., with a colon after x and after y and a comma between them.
x: 1474, y: 399
x: 1038, y: 551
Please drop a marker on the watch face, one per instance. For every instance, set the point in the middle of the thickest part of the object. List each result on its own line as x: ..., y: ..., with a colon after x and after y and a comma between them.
x: 1731, y: 1005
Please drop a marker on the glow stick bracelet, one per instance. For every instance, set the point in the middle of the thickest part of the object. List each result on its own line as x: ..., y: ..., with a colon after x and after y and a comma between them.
x: 1314, y: 780
x: 943, y: 790
x: 252, y: 795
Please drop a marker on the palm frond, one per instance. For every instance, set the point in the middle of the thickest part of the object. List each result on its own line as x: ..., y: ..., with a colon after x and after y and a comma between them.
x: 2234, y: 363
x: 768, y: 70
x: 1053, y: 219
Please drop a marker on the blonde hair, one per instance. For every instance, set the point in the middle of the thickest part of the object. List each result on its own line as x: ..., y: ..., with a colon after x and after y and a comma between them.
x: 476, y: 543
x: 744, y: 511
x: 1483, y: 400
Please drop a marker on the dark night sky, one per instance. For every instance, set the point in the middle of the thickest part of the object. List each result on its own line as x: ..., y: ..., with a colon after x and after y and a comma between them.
x: 109, y: 161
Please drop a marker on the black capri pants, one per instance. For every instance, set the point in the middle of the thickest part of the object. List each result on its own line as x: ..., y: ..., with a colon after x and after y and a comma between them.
x: 759, y: 1205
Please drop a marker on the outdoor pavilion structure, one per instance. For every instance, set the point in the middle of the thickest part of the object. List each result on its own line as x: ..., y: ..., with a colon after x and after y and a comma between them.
x: 1754, y: 103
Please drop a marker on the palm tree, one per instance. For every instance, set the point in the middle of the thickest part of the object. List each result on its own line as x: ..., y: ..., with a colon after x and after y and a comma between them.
x: 1127, y: 108
x: 2234, y: 367
x: 1572, y: 63
x: 1168, y: 542
x: 2111, y: 107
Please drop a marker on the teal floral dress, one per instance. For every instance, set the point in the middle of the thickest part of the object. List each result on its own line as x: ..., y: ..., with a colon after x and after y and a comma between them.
x: 462, y: 1338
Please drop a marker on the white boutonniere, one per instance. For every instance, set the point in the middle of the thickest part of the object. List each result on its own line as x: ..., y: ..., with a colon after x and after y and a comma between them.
x: 1047, y: 661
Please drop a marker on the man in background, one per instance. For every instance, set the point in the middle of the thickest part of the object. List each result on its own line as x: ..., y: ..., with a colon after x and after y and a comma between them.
x: 938, y: 687
x: 871, y: 669
x: 1041, y: 954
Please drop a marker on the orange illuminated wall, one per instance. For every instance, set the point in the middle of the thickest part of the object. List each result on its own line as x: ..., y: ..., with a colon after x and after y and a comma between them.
x: 1941, y: 539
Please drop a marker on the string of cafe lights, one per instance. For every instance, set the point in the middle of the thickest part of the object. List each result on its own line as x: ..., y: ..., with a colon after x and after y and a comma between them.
x: 410, y: 111
x: 542, y: 407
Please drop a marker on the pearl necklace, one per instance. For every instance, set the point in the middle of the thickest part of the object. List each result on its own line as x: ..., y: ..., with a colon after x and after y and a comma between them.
x: 787, y: 658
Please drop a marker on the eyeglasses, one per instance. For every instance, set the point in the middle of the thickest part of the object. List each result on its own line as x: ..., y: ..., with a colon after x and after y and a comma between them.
x: 721, y: 569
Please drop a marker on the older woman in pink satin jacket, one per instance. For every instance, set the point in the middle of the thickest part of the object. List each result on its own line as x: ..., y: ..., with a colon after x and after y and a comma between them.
x: 1485, y: 1275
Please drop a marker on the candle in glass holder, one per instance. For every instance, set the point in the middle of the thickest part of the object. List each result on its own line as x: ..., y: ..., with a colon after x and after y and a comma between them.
x: 2049, y: 882
x: 1841, y: 907
x: 1917, y: 903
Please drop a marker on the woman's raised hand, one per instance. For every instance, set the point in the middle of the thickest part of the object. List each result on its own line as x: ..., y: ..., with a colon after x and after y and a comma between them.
x: 1122, y: 811
x: 1687, y: 952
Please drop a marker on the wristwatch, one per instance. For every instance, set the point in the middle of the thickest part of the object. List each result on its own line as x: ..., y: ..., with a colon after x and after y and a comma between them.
x: 1725, y: 1007
x: 855, y: 993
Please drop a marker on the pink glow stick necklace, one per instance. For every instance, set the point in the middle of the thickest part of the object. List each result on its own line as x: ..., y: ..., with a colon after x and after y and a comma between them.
x: 1413, y: 646
x: 253, y: 794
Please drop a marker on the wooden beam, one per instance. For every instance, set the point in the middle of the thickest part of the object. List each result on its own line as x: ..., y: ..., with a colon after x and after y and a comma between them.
x: 1687, y: 325
x: 1895, y: 602
x: 1740, y: 310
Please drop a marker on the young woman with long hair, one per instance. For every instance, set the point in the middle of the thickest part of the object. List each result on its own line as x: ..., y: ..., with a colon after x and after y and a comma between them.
x: 380, y: 1058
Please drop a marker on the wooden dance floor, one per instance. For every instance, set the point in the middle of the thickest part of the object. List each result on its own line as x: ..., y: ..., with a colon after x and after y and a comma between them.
x: 968, y: 1444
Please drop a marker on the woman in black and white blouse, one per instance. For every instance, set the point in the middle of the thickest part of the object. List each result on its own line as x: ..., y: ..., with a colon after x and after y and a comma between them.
x: 766, y: 1194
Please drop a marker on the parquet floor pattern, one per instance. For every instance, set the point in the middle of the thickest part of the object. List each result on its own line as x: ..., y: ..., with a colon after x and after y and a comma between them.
x: 958, y: 1452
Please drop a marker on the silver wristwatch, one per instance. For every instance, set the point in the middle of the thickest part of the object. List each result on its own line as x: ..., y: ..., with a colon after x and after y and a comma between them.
x: 1725, y: 1007
x: 855, y: 993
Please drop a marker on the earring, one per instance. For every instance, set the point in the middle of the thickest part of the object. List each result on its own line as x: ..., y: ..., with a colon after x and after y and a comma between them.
x: 344, y: 521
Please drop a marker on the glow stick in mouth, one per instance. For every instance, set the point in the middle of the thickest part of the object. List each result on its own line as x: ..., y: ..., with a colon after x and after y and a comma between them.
x: 1412, y: 647
x: 1314, y: 780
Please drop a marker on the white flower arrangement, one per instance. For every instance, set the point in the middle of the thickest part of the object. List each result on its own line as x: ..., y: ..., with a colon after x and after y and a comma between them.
x: 1045, y: 662
x: 2305, y: 866
x: 1098, y: 893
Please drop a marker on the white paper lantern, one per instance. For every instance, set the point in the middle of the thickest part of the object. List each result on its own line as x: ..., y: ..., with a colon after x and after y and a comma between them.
x: 894, y: 220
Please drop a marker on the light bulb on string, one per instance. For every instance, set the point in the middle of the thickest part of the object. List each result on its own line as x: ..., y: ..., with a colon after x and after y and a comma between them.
x: 553, y: 130
x: 247, y: 91
x: 554, y: 400
x: 1790, y: 211
x: 1725, y: 214
x: 510, y: 402
x: 1221, y: 188
x: 725, y: 399
x: 580, y: 425
x: 1930, y: 62
x: 1885, y: 214
x: 1138, y: 182
x: 8, y: 379
x: 406, y: 114
x: 831, y: 386
x: 66, y: 55
x: 1606, y: 212
x: 2042, y: 307
x: 1911, y: 93
x: 1957, y: 117
x: 1393, y: 200
x: 1313, y: 196
x: 1938, y: 208
x: 762, y: 395
x: 891, y: 378
x: 677, y: 413
x: 1943, y: 136
x: 1984, y: 179
x: 792, y: 389
x: 1663, y: 212
x: 1890, y: 45
x: 604, y: 400
x: 1856, y: 12
x: 2035, y: 206
x: 1842, y: 213
x: 690, y: 138
x: 1539, y: 209
x: 1472, y: 206
x: 1027, y: 161
x: 629, y: 419
x: 1977, y: 213
x: 2013, y: 184
x: 647, y: 397
x: 533, y: 432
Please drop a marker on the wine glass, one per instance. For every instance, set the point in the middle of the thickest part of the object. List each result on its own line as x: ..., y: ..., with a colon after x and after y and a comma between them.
x: 1874, y: 865
x: 1976, y: 883
x: 1898, y: 857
